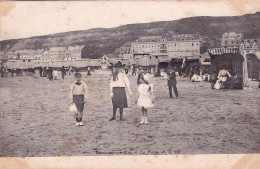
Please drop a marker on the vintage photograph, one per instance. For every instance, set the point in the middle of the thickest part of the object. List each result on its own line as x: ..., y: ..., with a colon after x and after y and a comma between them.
x: 106, y: 78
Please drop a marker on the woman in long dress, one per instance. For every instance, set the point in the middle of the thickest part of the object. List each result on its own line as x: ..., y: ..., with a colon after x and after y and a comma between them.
x: 118, y: 84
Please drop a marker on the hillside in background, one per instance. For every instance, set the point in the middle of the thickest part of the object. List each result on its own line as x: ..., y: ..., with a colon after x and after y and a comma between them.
x: 102, y: 41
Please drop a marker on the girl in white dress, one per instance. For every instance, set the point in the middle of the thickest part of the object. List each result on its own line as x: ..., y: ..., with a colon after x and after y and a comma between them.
x: 146, y: 97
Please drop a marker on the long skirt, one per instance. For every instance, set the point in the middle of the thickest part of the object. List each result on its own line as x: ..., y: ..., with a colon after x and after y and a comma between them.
x: 78, y: 100
x: 119, y: 99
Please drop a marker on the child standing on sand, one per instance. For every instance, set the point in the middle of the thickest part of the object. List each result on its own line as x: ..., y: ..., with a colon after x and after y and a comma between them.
x: 78, y: 96
x: 146, y: 97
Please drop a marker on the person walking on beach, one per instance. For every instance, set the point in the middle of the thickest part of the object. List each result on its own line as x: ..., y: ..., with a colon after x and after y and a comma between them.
x: 171, y: 78
x: 69, y: 70
x: 118, y: 83
x: 55, y: 74
x: 40, y: 71
x: 146, y: 97
x: 78, y: 96
x: 63, y: 72
x: 44, y: 73
x: 89, y: 70
x: 49, y: 73
x: 134, y: 70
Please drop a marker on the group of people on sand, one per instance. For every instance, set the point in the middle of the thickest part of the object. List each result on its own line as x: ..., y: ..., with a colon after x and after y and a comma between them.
x: 223, y: 79
x: 119, y: 83
x: 52, y: 73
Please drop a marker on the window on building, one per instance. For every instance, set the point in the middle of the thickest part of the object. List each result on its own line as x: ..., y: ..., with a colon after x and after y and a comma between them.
x: 29, y: 60
x: 23, y: 60
x: 156, y: 57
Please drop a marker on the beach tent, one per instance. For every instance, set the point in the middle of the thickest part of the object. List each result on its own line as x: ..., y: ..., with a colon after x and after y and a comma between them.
x: 176, y: 63
x: 190, y: 65
x: 253, y: 63
x: 233, y: 60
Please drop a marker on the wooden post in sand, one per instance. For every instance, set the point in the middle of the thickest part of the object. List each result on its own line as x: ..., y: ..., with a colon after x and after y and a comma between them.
x: 245, y: 70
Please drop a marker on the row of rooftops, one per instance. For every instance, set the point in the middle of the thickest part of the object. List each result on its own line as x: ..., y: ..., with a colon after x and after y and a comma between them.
x: 42, y: 51
x: 181, y: 37
x: 251, y: 41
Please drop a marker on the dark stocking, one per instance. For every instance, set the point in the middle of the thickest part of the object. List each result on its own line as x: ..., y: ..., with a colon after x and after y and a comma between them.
x: 114, y: 114
x: 121, y: 114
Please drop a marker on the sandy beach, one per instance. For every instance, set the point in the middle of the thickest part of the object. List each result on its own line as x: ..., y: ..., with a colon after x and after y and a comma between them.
x: 35, y: 119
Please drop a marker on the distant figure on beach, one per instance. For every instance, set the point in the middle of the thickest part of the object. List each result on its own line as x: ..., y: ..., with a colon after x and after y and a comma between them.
x: 89, y: 70
x: 112, y: 70
x: 196, y: 78
x: 145, y: 98
x: 223, y: 76
x: 134, y: 70
x: 55, y: 74
x: 12, y: 71
x: 49, y: 73
x: 78, y: 96
x: 171, y: 79
x: 40, y: 71
x: 118, y: 83
x: 44, y: 73
x: 70, y: 70
x: 63, y: 72
x: 213, y: 78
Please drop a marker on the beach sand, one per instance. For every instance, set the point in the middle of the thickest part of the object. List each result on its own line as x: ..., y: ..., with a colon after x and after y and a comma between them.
x: 35, y: 119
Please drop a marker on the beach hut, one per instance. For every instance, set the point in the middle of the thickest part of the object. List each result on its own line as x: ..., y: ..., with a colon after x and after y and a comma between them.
x: 253, y: 64
x: 177, y: 64
x: 233, y: 60
x: 190, y: 65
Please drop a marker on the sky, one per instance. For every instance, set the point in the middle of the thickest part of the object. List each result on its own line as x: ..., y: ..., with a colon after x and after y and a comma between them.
x: 26, y: 19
